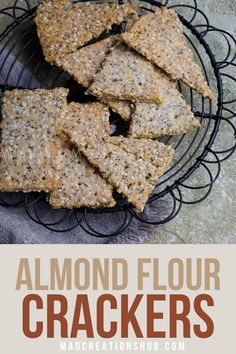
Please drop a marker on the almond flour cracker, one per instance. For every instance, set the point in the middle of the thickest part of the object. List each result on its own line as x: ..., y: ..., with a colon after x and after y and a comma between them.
x: 123, y: 108
x: 64, y: 27
x: 134, y: 178
x: 126, y: 76
x: 27, y: 148
x: 134, y: 175
x: 85, y: 121
x: 159, y: 37
x: 80, y: 184
x: 157, y: 153
x: 172, y: 117
x: 84, y: 64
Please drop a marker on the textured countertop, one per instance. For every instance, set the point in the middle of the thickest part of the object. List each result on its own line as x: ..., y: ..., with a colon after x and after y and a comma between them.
x: 212, y: 221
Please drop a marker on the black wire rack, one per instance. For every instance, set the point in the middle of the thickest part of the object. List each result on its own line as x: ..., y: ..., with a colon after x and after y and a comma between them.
x: 199, y: 155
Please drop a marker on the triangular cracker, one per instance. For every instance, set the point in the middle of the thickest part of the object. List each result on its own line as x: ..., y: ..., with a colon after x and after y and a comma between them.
x: 126, y: 164
x: 126, y: 76
x: 159, y: 37
x: 86, y: 121
x: 64, y: 27
x: 84, y: 64
x: 172, y: 117
x: 134, y: 178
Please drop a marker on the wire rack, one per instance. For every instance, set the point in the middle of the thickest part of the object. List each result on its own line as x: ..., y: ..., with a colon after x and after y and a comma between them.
x: 198, y: 157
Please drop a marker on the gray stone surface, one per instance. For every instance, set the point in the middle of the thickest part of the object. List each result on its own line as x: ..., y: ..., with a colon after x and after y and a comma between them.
x: 212, y: 221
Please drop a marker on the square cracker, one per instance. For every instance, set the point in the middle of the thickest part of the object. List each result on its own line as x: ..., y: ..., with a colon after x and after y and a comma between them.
x: 126, y: 76
x: 27, y: 148
x: 31, y: 110
x: 80, y: 184
x: 159, y: 37
x: 64, y: 27
x: 132, y: 177
x: 84, y: 64
x: 24, y: 166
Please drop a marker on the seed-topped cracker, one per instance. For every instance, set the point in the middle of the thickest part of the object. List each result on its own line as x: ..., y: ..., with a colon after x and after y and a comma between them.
x: 123, y: 108
x: 27, y: 139
x: 64, y: 27
x: 157, y: 153
x: 172, y: 117
x: 85, y: 121
x: 80, y: 184
x: 132, y: 177
x: 84, y: 64
x: 126, y: 76
x: 159, y: 37
x: 26, y: 110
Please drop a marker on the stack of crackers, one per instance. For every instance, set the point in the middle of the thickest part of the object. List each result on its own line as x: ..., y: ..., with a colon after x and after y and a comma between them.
x: 65, y: 149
